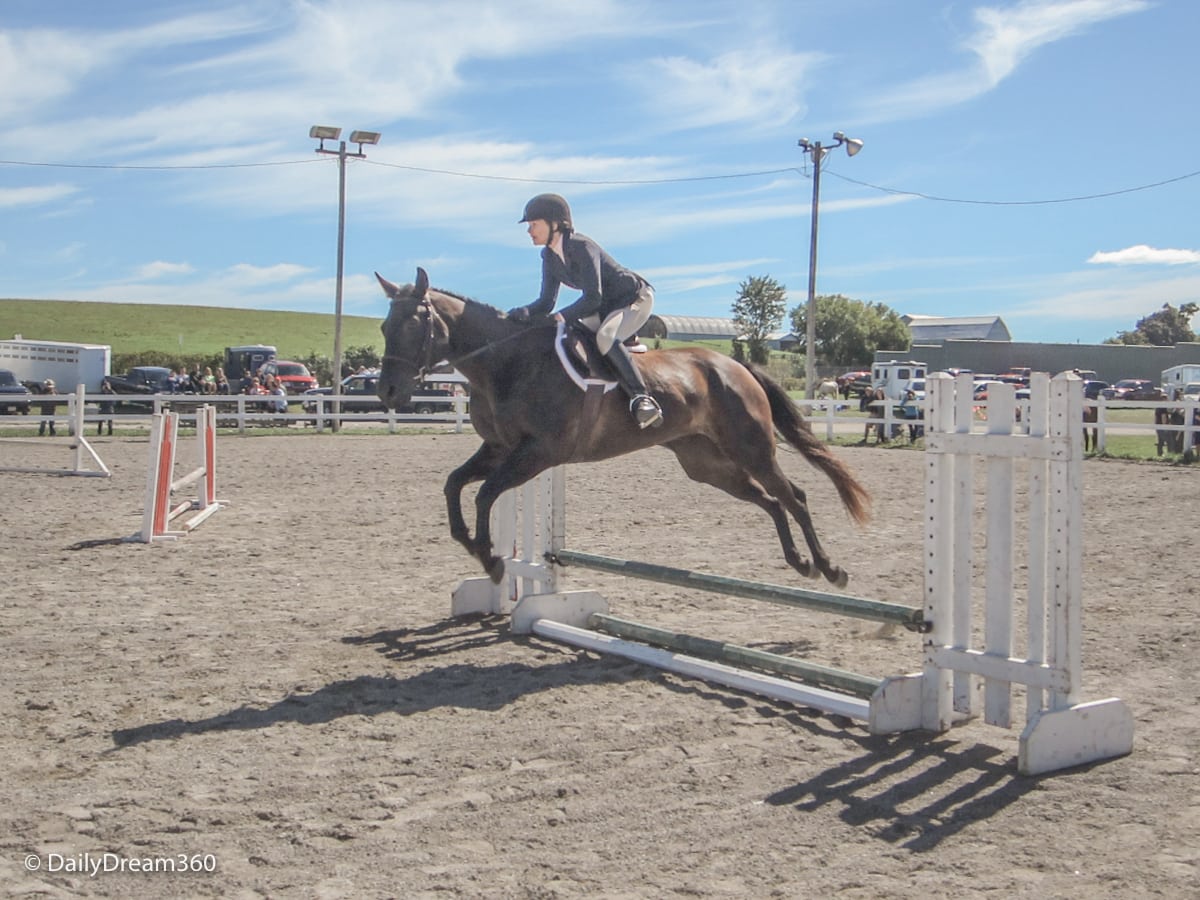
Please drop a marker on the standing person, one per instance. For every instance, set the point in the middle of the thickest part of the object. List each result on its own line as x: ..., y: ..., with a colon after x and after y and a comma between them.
x: 48, y: 409
x: 107, y: 407
x: 615, y: 303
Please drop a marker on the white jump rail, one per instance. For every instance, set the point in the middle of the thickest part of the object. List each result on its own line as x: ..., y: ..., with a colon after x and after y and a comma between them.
x: 969, y: 664
x: 161, y: 483
x: 81, y: 450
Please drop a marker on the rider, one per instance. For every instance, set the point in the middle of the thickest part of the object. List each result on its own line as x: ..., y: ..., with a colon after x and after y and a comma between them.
x: 616, y: 302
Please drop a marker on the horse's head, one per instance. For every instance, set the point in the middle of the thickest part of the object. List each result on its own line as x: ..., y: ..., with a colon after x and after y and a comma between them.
x: 415, y: 338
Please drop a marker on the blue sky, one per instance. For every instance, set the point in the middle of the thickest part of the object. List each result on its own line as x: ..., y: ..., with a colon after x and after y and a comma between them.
x: 159, y: 152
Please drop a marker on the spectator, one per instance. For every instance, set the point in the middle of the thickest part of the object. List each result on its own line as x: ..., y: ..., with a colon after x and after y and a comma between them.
x: 222, y: 381
x: 48, y: 408
x: 209, y: 381
x: 107, y: 407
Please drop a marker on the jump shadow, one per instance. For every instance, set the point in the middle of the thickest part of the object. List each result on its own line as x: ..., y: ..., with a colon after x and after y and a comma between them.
x: 913, y: 790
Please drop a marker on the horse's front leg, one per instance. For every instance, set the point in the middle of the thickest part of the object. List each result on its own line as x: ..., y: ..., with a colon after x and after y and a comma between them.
x: 523, y: 464
x: 478, y: 467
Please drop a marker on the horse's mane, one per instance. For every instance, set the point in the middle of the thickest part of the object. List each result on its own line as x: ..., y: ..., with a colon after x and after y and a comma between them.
x: 469, y: 301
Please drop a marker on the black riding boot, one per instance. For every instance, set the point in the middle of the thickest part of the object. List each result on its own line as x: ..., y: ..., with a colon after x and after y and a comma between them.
x: 644, y: 407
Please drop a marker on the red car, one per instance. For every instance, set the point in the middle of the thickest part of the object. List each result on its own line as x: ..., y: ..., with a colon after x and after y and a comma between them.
x: 294, y: 376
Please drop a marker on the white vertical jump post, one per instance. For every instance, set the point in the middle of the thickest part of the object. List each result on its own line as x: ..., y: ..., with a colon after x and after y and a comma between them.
x: 1043, y: 443
x: 161, y: 483
x: 81, y: 450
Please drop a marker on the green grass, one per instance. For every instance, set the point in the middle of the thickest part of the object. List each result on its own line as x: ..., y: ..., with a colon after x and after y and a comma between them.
x: 190, y: 330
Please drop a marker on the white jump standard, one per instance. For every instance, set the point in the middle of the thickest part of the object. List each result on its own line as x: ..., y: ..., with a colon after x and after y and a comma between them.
x: 958, y: 680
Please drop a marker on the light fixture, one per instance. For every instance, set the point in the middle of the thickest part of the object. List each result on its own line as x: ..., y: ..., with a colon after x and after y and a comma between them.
x: 817, y: 152
x: 364, y: 137
x: 324, y: 133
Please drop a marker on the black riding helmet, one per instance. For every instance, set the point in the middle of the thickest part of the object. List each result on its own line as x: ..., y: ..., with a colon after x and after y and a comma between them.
x: 550, y: 207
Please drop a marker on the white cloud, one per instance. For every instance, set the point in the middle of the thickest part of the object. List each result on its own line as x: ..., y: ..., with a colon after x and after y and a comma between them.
x: 1141, y: 254
x: 35, y: 196
x: 1002, y: 40
x: 760, y: 86
x: 151, y: 271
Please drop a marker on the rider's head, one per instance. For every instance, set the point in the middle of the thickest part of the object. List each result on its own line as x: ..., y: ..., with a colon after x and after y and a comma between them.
x: 552, y: 209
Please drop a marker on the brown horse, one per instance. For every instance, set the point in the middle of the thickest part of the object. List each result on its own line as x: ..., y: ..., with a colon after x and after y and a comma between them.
x: 1090, y: 415
x: 720, y: 416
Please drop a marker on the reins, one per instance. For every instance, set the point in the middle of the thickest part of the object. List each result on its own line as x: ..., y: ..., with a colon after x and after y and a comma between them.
x: 426, y: 349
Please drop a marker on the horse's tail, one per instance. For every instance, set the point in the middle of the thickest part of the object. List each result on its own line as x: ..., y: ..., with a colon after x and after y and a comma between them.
x: 790, y: 423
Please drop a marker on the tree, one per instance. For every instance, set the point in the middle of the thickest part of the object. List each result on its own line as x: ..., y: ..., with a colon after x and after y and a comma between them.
x: 1165, y: 328
x: 850, y: 331
x: 757, y: 312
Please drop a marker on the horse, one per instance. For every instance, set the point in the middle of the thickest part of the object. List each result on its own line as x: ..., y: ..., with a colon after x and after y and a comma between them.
x: 721, y: 417
x: 1090, y: 415
x: 1168, y: 438
x: 827, y: 390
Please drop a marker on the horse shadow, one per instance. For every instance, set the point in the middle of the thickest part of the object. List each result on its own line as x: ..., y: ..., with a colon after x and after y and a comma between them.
x: 461, y: 685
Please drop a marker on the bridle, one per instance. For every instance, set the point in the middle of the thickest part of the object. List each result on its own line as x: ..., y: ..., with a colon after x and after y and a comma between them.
x: 427, y: 341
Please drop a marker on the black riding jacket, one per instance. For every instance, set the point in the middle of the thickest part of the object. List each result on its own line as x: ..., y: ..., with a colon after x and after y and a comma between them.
x: 585, y: 266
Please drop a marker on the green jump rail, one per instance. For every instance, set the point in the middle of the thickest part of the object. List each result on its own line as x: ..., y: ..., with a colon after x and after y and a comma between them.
x: 705, y: 648
x: 912, y: 618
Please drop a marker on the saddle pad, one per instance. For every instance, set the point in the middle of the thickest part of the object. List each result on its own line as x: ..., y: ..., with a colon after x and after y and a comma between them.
x: 565, y: 360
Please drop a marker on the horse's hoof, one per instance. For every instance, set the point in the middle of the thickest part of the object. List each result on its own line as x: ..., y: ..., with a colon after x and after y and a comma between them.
x: 495, y: 569
x: 840, y: 578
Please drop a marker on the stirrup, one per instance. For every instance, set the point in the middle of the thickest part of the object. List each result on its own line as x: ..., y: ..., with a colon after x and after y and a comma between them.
x: 634, y: 345
x: 646, y: 410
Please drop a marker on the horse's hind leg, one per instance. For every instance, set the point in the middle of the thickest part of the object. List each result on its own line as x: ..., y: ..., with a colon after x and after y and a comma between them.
x: 705, y: 462
x: 750, y: 458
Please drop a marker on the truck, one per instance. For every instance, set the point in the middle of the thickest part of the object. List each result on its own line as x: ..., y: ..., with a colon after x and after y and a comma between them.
x: 67, y: 364
x: 1175, y: 378
x: 243, y: 363
x: 896, y: 379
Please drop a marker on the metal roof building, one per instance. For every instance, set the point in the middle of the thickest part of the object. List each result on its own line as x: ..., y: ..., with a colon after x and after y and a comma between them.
x: 931, y: 329
x: 688, y: 328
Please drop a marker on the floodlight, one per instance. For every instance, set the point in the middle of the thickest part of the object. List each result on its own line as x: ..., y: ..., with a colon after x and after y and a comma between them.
x: 364, y: 137
x: 324, y: 132
x: 853, y: 145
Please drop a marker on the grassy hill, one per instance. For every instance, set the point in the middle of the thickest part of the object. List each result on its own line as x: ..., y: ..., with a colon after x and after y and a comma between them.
x: 131, y: 328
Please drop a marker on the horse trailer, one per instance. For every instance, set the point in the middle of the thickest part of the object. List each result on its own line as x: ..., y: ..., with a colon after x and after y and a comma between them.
x: 67, y: 365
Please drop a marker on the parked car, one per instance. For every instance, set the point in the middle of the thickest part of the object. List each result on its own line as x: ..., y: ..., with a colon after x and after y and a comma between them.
x: 294, y: 376
x: 1191, y: 391
x: 14, y: 396
x: 853, y: 383
x: 1092, y: 388
x: 143, y: 380
x: 1134, y: 389
x: 359, y: 396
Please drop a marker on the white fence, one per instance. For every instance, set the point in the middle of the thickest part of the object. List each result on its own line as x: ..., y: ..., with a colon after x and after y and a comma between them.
x: 240, y: 411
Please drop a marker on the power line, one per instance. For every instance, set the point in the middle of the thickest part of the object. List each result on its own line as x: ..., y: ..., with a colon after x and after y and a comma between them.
x: 47, y: 165
x: 1143, y: 187
x: 618, y: 182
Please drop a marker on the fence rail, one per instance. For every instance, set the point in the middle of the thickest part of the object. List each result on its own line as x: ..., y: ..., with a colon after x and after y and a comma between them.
x: 240, y: 411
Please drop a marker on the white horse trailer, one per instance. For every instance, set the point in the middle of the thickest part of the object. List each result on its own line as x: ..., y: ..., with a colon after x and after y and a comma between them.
x: 68, y: 365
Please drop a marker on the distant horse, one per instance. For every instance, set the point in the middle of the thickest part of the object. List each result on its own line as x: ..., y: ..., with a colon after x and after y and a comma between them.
x: 1168, y: 438
x: 827, y: 390
x: 720, y: 417
x: 1090, y: 415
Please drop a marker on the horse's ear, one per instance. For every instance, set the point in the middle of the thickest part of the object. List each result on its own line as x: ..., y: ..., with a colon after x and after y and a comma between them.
x: 422, y: 284
x: 388, y: 288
